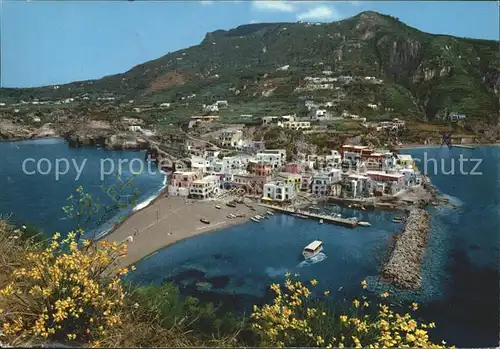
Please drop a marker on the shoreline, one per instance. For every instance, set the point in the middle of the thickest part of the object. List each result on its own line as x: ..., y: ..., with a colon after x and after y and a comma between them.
x: 163, y: 222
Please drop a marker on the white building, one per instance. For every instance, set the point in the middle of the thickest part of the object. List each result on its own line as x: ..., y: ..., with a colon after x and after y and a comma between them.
x: 318, y: 115
x: 320, y: 184
x: 279, y: 191
x: 134, y: 128
x: 204, y: 188
x: 211, y: 108
x: 275, y: 160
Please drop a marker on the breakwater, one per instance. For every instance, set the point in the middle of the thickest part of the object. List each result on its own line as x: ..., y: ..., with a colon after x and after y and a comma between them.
x: 403, y: 266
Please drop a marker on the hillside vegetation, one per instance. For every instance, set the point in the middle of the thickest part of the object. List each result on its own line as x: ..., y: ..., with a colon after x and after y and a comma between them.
x: 422, y: 76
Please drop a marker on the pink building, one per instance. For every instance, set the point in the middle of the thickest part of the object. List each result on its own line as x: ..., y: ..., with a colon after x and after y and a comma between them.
x: 181, y: 179
x: 293, y: 168
x: 260, y: 169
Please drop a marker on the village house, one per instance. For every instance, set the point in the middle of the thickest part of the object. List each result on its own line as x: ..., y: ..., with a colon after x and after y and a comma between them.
x: 357, y: 186
x: 260, y: 168
x: 231, y: 138
x: 238, y: 162
x: 204, y: 188
x: 292, y: 178
x: 306, y: 180
x: 404, y: 160
x: 293, y: 167
x: 279, y: 191
x: 253, y: 146
x: 211, y: 108
x: 181, y: 181
x: 273, y: 159
x: 134, y: 128
x: 251, y: 183
x: 295, y: 125
x: 221, y: 104
x: 319, y: 115
x: 320, y: 184
x: 396, y: 180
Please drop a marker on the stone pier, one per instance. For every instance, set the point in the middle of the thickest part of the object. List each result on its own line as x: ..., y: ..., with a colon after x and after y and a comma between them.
x: 403, y: 266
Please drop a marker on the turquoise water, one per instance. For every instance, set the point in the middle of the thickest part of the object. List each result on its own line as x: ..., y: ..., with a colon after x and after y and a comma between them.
x: 38, y: 199
x: 460, y: 269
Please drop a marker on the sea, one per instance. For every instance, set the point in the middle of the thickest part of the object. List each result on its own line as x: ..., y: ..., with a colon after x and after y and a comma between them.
x: 460, y: 281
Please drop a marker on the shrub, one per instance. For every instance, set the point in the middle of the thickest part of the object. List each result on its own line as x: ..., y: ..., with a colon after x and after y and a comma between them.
x: 64, y: 293
x: 295, y: 319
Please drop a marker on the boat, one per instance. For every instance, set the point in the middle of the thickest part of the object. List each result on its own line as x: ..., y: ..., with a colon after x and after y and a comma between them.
x: 363, y: 208
x: 270, y: 213
x: 217, y: 207
x: 231, y: 204
x: 364, y: 224
x: 312, y: 249
x: 231, y: 216
x: 255, y: 220
x: 320, y: 221
x: 397, y: 219
x: 298, y: 215
x: 204, y: 220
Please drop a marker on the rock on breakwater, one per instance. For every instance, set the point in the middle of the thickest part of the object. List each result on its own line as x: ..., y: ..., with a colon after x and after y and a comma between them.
x: 403, y: 267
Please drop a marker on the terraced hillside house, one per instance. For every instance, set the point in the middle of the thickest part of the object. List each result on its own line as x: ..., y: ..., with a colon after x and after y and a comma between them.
x: 231, y: 139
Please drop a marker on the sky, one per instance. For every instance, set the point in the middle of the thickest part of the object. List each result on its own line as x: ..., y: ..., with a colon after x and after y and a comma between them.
x: 55, y: 42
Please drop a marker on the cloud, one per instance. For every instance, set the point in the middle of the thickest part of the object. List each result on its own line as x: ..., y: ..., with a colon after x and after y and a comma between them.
x: 319, y: 13
x: 273, y: 6
x: 206, y: 2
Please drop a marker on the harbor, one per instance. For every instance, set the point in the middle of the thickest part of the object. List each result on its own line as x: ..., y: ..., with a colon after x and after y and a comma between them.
x: 346, y: 222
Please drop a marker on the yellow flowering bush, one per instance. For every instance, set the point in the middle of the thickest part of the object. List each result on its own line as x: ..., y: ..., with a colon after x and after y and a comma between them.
x: 295, y: 319
x: 63, y: 292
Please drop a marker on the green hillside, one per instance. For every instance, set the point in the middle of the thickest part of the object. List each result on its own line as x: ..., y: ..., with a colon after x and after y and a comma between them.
x: 422, y: 75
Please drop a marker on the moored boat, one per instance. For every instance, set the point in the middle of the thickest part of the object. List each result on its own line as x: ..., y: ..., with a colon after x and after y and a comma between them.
x: 204, y: 220
x: 298, y: 215
x: 312, y: 249
x: 364, y: 224
x: 320, y: 221
x: 217, y: 207
x: 255, y: 220
x: 231, y: 204
x: 270, y: 213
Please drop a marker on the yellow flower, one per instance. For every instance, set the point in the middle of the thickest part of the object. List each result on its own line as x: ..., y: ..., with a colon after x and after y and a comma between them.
x: 384, y: 295
x: 363, y: 284
x: 326, y: 293
x: 414, y: 306
x: 355, y: 303
x: 343, y: 318
x: 314, y: 282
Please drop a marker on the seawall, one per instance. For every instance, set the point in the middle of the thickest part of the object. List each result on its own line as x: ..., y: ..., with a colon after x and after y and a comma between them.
x: 402, y: 269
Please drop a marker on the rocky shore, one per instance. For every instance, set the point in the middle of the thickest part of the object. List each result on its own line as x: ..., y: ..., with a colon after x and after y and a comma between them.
x: 403, y: 266
x: 80, y: 135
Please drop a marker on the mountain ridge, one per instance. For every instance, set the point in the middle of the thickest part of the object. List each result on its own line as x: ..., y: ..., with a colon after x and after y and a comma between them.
x: 424, y: 75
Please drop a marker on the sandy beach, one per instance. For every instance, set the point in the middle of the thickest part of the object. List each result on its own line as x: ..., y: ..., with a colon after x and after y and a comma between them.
x: 170, y: 219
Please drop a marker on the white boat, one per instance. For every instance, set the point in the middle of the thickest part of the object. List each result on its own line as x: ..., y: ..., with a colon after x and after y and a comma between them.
x: 217, y: 207
x: 255, y: 220
x: 364, y: 224
x: 312, y: 249
x: 320, y: 221
x: 270, y: 213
